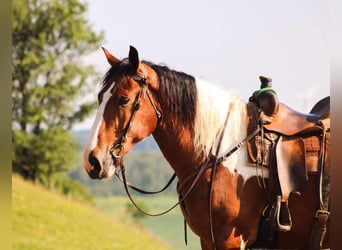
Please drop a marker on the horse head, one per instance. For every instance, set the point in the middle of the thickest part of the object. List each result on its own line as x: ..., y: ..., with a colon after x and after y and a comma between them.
x: 127, y: 113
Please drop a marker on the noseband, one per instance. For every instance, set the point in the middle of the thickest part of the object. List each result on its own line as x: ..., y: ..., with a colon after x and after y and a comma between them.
x: 117, y: 148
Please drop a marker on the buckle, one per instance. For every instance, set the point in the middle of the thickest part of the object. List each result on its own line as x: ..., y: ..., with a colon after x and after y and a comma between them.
x: 318, y: 212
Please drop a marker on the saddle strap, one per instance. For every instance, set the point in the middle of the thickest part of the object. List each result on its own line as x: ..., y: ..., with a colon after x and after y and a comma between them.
x: 322, y: 215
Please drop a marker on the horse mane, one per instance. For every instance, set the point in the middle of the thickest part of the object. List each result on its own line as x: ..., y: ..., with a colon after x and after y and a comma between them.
x: 116, y: 71
x: 214, y: 105
x: 180, y: 90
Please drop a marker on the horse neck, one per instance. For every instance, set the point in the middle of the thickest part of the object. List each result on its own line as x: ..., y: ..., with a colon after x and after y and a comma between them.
x: 176, y: 144
x: 187, y: 147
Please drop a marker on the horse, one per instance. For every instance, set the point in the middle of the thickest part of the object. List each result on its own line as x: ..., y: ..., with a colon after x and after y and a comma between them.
x: 223, y: 199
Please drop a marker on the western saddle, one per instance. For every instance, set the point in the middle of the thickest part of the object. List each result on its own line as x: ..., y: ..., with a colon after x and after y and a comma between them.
x: 291, y: 145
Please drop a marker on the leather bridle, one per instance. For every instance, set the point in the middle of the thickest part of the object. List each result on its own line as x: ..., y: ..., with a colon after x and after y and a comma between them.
x: 117, y: 148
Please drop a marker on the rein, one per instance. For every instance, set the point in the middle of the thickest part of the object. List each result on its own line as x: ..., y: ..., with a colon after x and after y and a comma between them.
x: 126, y: 185
x: 144, y: 191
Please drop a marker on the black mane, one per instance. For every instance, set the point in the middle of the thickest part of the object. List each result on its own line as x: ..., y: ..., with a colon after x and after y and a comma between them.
x: 180, y: 91
x: 116, y: 71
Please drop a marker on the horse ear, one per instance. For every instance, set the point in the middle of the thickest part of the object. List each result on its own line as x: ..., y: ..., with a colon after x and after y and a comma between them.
x: 133, y: 58
x: 110, y: 58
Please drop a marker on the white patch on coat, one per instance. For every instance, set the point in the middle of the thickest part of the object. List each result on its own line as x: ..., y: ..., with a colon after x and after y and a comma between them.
x: 213, y: 107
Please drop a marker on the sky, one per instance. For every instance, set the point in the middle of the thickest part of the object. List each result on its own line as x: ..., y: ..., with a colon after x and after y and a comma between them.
x: 227, y: 42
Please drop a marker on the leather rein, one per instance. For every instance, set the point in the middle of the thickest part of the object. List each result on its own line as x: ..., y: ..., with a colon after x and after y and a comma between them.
x: 212, y: 162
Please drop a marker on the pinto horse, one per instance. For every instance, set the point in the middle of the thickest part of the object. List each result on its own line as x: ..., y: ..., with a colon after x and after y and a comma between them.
x: 193, y: 122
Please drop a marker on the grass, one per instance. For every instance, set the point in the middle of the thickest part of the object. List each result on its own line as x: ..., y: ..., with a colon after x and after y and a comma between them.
x: 42, y: 220
x: 168, y: 227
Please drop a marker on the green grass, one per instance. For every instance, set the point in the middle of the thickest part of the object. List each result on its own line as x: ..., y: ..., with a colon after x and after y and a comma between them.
x: 42, y: 220
x: 168, y: 227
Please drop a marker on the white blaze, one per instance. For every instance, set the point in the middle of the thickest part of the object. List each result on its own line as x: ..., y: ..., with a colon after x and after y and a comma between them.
x: 92, y: 140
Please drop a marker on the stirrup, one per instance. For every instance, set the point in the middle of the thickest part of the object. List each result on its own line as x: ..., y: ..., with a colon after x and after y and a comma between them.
x: 284, y: 222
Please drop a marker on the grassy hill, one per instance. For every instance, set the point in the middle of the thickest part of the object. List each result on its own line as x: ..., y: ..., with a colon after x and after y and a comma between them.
x: 169, y: 227
x: 42, y: 220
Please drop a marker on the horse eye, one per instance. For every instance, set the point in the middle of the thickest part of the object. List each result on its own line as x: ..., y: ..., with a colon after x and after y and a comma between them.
x: 123, y: 100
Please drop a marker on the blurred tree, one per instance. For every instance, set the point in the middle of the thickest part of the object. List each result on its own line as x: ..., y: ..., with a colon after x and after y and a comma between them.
x: 132, y: 211
x: 49, y: 83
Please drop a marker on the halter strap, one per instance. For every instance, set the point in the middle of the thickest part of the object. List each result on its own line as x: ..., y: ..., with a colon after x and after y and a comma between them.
x: 143, y: 82
x: 141, y: 79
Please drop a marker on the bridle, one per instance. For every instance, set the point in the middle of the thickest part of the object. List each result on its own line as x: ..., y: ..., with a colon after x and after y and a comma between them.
x: 117, y: 148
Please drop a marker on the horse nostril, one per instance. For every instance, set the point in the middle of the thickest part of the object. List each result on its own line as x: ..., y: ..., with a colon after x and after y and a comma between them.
x: 95, y: 172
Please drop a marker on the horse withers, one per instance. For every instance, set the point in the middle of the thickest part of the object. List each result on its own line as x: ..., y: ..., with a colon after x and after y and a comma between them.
x: 197, y: 127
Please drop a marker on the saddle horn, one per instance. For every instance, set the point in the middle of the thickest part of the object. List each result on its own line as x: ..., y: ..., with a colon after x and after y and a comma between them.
x: 267, y: 97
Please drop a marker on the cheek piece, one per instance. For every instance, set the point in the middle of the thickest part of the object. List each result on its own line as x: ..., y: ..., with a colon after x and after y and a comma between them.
x: 117, y: 148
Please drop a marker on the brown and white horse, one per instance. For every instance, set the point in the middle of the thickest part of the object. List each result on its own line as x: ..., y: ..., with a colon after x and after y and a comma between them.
x: 186, y: 116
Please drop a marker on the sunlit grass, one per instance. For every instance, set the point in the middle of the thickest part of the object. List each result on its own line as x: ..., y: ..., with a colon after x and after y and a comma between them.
x: 168, y: 227
x: 41, y: 220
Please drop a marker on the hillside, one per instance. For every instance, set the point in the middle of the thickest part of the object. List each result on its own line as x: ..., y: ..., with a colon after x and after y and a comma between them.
x: 42, y: 220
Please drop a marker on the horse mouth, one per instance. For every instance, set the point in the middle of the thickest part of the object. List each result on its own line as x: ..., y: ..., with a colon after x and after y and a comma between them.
x: 94, y: 174
x: 101, y: 171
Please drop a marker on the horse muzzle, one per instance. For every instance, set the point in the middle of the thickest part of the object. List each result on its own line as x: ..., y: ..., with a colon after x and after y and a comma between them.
x: 100, y: 166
